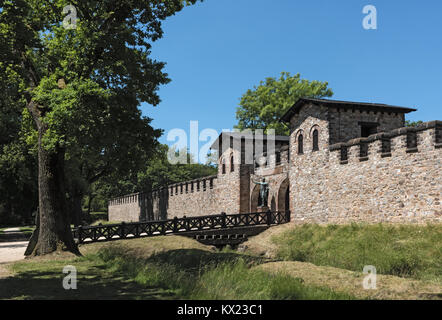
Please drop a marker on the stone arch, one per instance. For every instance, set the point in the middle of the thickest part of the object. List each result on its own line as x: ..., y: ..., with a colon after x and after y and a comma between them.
x: 313, y: 128
x: 284, y: 196
x: 222, y: 165
x: 298, y: 133
x: 314, y: 137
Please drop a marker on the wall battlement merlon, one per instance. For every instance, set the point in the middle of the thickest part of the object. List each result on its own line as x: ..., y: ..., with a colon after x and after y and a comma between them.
x: 129, y: 198
x: 408, y: 138
x: 202, y: 184
x: 174, y: 189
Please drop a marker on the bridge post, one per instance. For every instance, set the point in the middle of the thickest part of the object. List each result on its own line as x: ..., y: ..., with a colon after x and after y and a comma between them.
x: 223, y: 220
x: 80, y: 231
x: 269, y: 218
x: 122, y: 230
x: 175, y: 224
x: 185, y: 223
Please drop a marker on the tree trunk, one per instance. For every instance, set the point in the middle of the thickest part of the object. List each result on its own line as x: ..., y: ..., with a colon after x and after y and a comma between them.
x: 54, y: 229
x: 91, y: 198
x: 77, y: 211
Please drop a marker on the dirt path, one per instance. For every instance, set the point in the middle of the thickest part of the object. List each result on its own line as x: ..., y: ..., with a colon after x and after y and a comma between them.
x: 12, y: 251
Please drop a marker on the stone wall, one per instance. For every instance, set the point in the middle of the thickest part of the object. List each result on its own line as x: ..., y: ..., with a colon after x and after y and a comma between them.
x: 344, y: 124
x: 191, y: 198
x: 387, y: 177
x: 126, y: 208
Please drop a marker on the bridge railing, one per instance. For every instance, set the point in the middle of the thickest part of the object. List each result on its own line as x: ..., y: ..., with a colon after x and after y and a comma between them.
x: 177, y: 225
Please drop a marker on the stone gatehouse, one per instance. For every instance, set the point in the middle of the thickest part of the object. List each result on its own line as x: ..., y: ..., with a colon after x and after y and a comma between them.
x: 342, y: 162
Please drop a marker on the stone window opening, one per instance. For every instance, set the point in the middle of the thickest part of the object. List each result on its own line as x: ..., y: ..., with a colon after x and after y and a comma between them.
x: 232, y: 165
x: 315, y: 140
x: 198, y: 186
x: 278, y: 157
x: 368, y: 128
x: 300, y: 144
x: 191, y: 187
x: 223, y: 167
x: 344, y: 155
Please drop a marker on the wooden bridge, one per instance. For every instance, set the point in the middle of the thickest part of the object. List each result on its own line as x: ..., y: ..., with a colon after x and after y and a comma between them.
x: 216, y: 230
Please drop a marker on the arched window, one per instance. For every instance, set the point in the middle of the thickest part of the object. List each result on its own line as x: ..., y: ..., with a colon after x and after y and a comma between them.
x: 223, y: 166
x: 315, y: 140
x: 300, y: 144
x: 232, y: 165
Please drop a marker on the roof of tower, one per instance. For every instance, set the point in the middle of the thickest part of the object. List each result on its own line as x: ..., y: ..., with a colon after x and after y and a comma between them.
x: 343, y: 104
x: 247, y: 136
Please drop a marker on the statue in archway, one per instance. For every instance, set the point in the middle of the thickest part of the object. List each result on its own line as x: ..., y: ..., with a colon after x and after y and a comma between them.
x: 263, y: 191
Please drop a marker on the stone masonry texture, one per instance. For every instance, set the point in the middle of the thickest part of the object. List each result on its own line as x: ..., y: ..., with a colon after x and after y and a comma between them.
x: 393, y: 175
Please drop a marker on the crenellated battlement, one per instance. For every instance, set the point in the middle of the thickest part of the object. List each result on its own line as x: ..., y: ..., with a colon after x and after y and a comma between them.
x: 126, y: 199
x: 323, y: 172
x: 196, y: 185
x: 426, y: 137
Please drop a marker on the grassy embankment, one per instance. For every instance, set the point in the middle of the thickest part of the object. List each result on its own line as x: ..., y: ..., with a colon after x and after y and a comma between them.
x: 319, y: 262
x: 409, y: 251
x: 157, y: 268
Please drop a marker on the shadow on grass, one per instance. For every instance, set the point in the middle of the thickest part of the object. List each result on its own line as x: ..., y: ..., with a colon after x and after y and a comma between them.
x: 98, y: 278
x: 192, y: 260
x: 48, y: 285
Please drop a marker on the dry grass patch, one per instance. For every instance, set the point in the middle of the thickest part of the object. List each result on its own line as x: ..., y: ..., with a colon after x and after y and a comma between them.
x: 263, y: 244
x: 143, y: 248
x: 341, y: 280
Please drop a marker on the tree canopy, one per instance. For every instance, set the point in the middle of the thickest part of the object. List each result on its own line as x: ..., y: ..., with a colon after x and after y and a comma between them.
x: 79, y: 89
x: 263, y: 106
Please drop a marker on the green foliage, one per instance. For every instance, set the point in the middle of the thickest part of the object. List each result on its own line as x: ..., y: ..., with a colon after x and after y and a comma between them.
x: 80, y: 88
x: 405, y: 250
x: 157, y: 172
x: 18, y: 177
x: 263, y: 107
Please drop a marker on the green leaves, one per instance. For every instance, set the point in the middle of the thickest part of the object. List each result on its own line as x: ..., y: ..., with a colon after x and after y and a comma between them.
x: 262, y: 107
x: 81, y: 88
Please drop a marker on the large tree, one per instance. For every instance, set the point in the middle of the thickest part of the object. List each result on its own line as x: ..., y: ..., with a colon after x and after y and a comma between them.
x: 61, y: 71
x: 262, y: 107
x: 156, y: 174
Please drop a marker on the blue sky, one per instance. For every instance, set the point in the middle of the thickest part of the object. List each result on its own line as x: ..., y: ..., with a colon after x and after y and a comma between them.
x: 218, y: 49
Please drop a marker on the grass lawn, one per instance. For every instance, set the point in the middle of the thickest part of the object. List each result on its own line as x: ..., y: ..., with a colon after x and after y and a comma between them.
x: 169, y: 267
x: 284, y: 262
